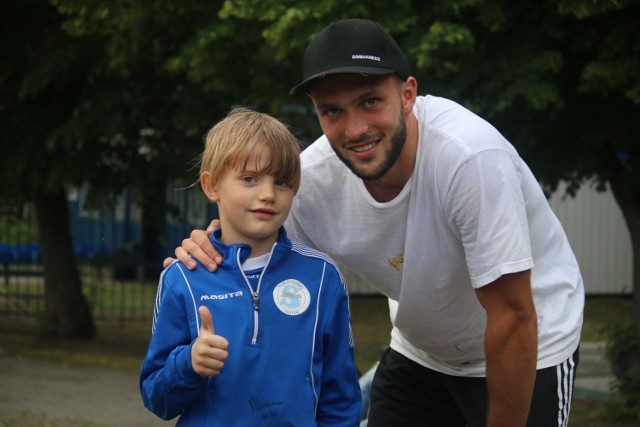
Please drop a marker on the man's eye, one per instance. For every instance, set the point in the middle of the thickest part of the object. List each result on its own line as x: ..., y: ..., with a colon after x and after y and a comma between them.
x: 371, y: 102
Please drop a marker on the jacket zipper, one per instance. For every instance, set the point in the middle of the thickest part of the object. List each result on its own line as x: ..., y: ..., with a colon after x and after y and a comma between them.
x: 256, y: 310
x: 255, y: 295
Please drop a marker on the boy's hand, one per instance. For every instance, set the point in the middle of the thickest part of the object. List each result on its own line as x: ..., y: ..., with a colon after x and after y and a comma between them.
x: 209, y: 351
x: 199, y: 247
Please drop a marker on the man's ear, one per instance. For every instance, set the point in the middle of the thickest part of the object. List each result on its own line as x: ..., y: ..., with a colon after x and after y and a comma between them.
x: 409, y: 94
x: 209, y: 189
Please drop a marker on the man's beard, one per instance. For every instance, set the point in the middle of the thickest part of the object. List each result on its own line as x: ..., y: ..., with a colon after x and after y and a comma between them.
x: 392, y: 154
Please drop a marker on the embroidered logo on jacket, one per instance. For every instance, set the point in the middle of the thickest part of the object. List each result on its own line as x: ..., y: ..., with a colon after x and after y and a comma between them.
x: 221, y: 296
x: 291, y: 297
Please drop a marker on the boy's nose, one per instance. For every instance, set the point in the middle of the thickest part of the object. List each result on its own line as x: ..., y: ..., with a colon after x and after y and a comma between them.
x: 267, y: 192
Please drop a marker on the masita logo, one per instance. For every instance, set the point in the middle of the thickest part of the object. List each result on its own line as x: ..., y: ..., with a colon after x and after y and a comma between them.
x: 221, y: 296
x: 291, y: 297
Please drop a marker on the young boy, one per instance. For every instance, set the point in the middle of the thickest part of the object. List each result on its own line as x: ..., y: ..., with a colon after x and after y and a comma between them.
x: 267, y: 341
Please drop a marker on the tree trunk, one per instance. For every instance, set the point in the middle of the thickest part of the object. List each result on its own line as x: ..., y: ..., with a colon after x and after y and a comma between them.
x: 67, y: 313
x: 626, y: 362
x: 628, y: 198
x: 153, y: 212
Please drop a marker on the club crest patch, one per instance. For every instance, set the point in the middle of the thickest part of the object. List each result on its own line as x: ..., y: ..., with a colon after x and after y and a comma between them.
x: 291, y: 297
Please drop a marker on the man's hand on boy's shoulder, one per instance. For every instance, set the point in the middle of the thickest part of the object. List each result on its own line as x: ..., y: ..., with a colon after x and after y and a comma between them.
x: 198, y: 246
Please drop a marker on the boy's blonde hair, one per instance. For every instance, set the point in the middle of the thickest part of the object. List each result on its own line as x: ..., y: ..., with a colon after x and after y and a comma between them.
x: 244, y: 133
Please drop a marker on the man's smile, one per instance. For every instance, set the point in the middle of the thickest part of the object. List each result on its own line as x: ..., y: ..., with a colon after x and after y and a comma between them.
x: 364, y: 147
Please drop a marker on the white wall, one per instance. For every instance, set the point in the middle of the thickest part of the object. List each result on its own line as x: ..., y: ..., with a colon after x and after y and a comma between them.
x: 599, y: 237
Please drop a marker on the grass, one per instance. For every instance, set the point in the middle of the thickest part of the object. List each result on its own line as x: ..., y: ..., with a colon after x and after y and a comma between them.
x: 122, y: 346
x: 371, y: 329
x: 600, y: 312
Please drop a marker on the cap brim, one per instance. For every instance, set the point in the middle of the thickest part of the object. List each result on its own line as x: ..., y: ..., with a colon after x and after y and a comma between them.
x: 303, y: 87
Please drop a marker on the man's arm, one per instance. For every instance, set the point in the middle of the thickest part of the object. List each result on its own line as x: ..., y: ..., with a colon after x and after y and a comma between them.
x: 199, y: 247
x: 511, y: 347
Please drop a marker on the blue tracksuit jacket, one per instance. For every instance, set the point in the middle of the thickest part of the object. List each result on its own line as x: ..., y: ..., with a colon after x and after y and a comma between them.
x: 291, y: 355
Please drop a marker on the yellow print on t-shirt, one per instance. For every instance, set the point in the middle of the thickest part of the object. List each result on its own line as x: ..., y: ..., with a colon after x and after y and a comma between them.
x: 396, y: 261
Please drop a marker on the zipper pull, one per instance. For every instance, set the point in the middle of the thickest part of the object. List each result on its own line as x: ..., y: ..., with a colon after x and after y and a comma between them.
x: 256, y: 302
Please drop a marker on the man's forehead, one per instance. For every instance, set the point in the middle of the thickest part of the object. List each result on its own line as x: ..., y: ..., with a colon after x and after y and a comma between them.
x: 337, y: 84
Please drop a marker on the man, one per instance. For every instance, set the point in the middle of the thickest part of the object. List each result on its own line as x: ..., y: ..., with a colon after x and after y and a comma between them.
x: 432, y: 206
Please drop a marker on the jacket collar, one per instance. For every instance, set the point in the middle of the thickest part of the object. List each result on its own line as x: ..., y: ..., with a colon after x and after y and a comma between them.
x: 234, y: 255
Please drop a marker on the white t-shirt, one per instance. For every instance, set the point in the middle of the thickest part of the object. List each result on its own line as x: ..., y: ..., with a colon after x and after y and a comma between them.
x: 471, y: 212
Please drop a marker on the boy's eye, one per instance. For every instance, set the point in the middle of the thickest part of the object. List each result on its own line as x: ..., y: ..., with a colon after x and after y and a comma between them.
x: 281, y: 183
x: 248, y: 179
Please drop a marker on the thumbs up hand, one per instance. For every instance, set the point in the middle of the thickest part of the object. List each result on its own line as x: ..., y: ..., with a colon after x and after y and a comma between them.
x: 209, y: 351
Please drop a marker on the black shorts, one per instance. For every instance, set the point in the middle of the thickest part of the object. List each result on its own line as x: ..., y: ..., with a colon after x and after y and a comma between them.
x: 405, y: 393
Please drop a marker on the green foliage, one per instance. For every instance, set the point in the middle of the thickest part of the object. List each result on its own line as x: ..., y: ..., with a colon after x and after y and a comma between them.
x: 17, y: 232
x: 623, y: 351
x: 623, y: 339
x: 146, y: 79
x: 440, y: 41
x: 586, y: 8
x: 119, y: 94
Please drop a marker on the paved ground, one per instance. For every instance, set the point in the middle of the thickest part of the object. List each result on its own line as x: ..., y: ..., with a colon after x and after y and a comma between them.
x: 594, y: 372
x: 43, y: 394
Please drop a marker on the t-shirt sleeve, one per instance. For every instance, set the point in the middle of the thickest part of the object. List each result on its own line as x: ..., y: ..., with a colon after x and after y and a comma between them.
x: 486, y: 207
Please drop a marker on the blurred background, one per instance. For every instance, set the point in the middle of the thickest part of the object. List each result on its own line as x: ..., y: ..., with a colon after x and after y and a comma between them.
x: 104, y: 105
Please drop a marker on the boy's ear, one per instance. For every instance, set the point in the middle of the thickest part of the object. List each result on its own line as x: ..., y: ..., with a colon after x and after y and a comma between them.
x: 209, y: 189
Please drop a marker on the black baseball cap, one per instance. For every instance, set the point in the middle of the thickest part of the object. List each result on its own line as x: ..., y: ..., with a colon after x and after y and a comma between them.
x: 351, y: 46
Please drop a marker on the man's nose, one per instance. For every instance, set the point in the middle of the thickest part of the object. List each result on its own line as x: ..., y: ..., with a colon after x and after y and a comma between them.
x: 355, y: 127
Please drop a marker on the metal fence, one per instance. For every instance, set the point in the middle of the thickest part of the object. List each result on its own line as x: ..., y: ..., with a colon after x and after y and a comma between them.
x: 113, y: 291
x: 22, y: 289
x: 106, y: 245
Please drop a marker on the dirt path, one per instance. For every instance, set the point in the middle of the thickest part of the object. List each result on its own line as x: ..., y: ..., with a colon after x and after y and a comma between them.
x: 41, y: 394
x: 34, y: 394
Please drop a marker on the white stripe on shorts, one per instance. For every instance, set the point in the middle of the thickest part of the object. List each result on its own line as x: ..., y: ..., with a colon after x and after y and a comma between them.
x: 565, y: 373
